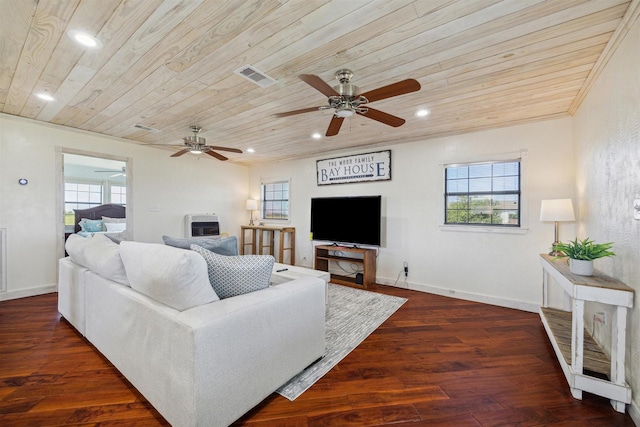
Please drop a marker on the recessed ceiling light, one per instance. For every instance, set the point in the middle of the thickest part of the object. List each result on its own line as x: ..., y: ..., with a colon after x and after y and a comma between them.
x: 250, y: 150
x: 422, y: 113
x: 316, y: 135
x: 84, y: 39
x: 45, y: 96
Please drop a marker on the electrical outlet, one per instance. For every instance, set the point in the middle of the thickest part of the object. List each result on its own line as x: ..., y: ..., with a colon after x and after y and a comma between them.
x: 406, y: 269
x: 636, y: 209
x: 601, y: 318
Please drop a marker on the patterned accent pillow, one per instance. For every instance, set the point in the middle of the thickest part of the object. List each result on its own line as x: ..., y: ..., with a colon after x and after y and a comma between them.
x: 236, y: 275
x: 91, y: 225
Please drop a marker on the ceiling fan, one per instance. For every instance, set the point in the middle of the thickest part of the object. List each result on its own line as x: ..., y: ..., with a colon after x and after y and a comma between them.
x: 122, y: 173
x: 197, y: 145
x: 347, y: 100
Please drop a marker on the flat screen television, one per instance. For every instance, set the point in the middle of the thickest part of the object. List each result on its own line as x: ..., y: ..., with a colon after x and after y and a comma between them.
x: 354, y: 220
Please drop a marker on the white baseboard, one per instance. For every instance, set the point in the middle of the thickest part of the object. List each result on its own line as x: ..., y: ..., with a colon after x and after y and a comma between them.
x: 634, y: 412
x: 31, y: 292
x: 467, y: 296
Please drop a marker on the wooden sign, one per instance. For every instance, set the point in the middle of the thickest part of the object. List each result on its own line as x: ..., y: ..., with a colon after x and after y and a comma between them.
x: 359, y: 168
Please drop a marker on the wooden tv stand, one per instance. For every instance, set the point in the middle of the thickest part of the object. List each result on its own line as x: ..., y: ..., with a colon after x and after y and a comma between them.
x: 325, y: 254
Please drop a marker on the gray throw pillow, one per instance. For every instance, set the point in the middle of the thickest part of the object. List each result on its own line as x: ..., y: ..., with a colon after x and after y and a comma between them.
x: 221, y: 246
x: 236, y: 275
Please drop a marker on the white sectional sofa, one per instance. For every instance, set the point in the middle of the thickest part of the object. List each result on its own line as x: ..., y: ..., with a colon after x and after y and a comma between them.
x: 205, y: 365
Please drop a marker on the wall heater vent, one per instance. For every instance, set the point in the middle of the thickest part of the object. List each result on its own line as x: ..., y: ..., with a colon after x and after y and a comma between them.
x: 254, y: 75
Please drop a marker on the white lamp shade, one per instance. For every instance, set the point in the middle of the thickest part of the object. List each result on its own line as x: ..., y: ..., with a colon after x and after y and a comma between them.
x: 252, y: 205
x: 557, y: 210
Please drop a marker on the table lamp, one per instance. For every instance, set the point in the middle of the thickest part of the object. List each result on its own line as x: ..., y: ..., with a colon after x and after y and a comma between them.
x: 252, y: 205
x: 556, y: 210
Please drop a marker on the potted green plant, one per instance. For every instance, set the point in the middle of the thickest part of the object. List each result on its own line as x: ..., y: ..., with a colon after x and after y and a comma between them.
x: 581, y: 254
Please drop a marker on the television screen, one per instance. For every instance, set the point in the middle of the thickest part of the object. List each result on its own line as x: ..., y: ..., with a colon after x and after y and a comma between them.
x: 353, y: 220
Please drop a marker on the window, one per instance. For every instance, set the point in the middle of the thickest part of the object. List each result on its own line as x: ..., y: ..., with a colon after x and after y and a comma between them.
x: 275, y: 200
x: 118, y: 195
x: 81, y: 196
x: 486, y: 194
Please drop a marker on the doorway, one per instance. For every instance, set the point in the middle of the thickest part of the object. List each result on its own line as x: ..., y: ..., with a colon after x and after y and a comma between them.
x: 90, y: 180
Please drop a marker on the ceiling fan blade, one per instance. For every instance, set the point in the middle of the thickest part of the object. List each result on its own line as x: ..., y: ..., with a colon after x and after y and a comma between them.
x: 216, y: 155
x: 382, y: 117
x: 294, y: 112
x: 334, y: 126
x: 181, y: 152
x: 318, y: 84
x: 395, y: 89
x: 232, y: 150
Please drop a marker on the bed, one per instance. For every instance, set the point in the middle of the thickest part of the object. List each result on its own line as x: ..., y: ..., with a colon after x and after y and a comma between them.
x: 117, y: 213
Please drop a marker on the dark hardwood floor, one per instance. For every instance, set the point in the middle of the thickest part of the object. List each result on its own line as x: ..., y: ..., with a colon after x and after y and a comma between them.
x: 436, y: 362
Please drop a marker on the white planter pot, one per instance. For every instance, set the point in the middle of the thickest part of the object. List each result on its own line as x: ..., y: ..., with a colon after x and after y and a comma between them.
x: 581, y: 267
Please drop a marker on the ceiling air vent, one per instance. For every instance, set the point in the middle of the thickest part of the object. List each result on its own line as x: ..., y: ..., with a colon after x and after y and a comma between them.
x: 254, y: 75
x: 147, y: 128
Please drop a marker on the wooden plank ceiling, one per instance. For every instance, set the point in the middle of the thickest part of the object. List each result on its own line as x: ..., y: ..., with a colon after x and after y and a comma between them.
x: 170, y: 64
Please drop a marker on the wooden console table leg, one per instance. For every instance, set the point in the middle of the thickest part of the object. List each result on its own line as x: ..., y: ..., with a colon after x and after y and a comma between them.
x: 292, y: 245
x: 545, y: 289
x: 272, y: 235
x: 260, y: 241
x: 618, y: 344
x: 577, y: 343
x: 281, y: 248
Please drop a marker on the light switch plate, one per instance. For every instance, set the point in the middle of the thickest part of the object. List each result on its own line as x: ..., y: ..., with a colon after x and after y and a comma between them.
x: 636, y: 209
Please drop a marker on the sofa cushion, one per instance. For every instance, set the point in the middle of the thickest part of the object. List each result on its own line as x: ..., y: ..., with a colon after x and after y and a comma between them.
x: 236, y: 275
x: 97, y: 253
x: 172, y: 276
x: 221, y: 246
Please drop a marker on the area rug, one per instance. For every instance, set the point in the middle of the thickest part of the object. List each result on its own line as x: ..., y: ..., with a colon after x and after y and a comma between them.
x: 352, y: 315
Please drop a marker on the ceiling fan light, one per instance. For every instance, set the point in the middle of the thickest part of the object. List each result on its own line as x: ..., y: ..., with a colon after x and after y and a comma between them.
x: 195, y: 151
x: 345, y: 112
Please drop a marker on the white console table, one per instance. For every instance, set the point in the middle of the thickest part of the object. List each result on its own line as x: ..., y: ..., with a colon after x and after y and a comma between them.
x: 575, y: 348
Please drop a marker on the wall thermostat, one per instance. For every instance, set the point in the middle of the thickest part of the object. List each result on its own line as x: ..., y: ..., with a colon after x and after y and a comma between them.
x: 23, y: 181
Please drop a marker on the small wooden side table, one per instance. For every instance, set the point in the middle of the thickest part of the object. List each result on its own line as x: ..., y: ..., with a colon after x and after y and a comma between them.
x: 263, y: 237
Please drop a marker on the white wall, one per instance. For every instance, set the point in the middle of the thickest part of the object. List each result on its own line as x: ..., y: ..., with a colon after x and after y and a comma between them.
x: 607, y: 146
x: 175, y: 186
x: 493, y: 267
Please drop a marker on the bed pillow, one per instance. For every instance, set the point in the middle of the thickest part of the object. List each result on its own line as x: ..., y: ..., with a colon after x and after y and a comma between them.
x: 172, y: 276
x: 99, y: 254
x: 115, y: 227
x: 107, y: 219
x: 221, y: 246
x: 91, y: 225
x: 236, y: 275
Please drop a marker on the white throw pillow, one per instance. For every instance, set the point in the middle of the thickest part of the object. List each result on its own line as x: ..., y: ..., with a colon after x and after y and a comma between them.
x: 115, y: 227
x: 107, y: 219
x: 99, y: 254
x: 236, y: 275
x: 172, y: 276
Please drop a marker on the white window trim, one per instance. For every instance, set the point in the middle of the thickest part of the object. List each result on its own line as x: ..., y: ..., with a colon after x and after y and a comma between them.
x: 271, y: 220
x: 524, y: 197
